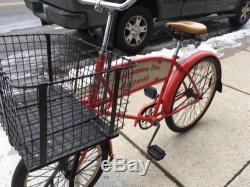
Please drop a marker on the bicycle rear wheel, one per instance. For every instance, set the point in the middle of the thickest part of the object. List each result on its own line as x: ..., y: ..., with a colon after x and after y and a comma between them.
x: 57, y: 174
x: 205, y: 75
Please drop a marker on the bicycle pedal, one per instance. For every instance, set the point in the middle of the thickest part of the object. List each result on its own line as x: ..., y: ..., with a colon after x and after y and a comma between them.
x: 156, y: 152
x: 151, y: 92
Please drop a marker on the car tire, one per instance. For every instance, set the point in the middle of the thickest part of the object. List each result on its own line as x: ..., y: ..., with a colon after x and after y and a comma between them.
x: 243, y: 14
x: 134, y: 29
x: 44, y: 22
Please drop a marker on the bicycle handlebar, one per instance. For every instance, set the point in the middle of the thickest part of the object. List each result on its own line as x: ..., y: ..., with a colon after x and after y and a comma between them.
x: 109, y: 5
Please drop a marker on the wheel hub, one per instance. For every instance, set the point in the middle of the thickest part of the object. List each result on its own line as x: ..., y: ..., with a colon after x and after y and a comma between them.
x: 190, y: 93
x: 135, y: 31
x: 65, y: 168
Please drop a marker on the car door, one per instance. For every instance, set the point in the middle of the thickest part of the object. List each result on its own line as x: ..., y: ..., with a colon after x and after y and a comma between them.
x: 213, y: 6
x: 169, y: 9
x: 217, y: 6
x: 229, y: 5
x: 193, y: 8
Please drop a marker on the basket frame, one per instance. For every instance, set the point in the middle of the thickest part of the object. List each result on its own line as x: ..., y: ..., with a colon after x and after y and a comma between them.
x: 42, y: 93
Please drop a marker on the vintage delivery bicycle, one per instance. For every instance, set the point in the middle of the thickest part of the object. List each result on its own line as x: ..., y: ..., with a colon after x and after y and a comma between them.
x: 63, y: 99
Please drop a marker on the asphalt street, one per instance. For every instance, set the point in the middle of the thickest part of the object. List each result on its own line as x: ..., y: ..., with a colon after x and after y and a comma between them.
x: 14, y: 15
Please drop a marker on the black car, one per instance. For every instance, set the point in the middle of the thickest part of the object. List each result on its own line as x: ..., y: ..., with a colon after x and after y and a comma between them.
x: 134, y: 26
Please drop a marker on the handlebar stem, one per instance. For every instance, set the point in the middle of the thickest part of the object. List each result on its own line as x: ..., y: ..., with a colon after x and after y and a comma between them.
x: 107, y: 30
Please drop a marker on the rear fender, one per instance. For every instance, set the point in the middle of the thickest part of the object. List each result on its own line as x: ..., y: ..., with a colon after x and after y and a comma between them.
x: 178, y: 76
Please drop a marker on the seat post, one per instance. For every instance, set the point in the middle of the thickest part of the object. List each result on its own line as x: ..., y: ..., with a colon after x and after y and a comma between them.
x: 178, y: 47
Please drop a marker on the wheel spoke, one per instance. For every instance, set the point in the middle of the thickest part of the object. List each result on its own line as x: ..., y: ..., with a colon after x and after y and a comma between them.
x: 138, y: 39
x: 129, y: 26
x: 129, y: 38
x: 204, y: 76
x: 88, y: 164
x: 143, y: 29
x: 138, y: 20
x: 88, y: 170
x: 181, y: 104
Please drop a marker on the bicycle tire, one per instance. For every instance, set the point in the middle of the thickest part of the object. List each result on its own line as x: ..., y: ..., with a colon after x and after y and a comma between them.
x: 170, y: 121
x: 21, y: 173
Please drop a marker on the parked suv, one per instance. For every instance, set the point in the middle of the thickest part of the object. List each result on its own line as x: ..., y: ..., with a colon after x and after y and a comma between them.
x: 134, y: 26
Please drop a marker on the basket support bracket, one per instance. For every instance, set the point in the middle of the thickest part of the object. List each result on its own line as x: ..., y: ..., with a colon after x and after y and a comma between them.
x: 42, y: 105
x: 114, y: 99
x: 48, y: 41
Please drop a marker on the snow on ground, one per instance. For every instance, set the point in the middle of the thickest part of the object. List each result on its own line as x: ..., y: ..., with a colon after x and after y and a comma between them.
x: 8, y: 160
x: 215, y: 44
x: 9, y: 157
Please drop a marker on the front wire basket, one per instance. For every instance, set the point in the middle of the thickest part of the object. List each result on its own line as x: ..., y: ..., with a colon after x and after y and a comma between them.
x: 53, y: 101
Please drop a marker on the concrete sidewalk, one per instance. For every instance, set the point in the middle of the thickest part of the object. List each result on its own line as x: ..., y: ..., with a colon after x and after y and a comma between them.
x: 215, y: 153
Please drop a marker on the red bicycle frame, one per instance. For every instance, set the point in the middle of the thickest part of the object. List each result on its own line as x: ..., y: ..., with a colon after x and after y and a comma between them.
x: 150, y: 71
x: 170, y: 84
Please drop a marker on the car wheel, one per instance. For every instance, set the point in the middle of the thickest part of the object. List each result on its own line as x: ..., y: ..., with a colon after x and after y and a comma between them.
x: 134, y: 29
x: 243, y: 14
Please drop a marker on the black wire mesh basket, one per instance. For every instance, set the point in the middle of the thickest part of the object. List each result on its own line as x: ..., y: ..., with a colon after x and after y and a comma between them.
x: 54, y: 101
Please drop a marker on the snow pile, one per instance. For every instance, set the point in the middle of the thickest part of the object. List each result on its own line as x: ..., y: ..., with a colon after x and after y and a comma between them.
x: 81, y: 82
x: 230, y: 40
x: 215, y: 45
x: 8, y: 160
x: 183, y: 53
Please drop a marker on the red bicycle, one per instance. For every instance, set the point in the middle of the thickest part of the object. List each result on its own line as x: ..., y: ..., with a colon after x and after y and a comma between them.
x: 81, y: 103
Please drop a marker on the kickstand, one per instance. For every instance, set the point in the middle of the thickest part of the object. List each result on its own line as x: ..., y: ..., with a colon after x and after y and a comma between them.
x: 153, y: 137
x: 155, y: 151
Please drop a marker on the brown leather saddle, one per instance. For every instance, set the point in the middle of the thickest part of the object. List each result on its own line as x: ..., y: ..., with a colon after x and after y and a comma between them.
x: 189, y: 27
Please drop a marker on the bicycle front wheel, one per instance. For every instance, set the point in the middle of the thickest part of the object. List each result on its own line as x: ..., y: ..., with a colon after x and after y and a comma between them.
x: 205, y: 75
x: 58, y: 174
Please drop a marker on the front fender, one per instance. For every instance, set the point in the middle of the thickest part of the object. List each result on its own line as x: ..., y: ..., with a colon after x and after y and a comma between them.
x: 178, y: 76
